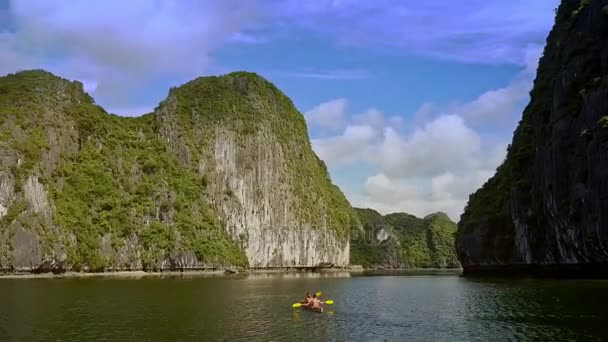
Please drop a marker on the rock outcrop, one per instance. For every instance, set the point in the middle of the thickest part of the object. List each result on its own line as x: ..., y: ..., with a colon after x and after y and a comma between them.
x: 545, y: 212
x: 401, y: 240
x: 221, y: 174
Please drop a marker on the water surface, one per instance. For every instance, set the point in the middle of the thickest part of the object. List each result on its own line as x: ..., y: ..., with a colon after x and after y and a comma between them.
x: 406, y: 307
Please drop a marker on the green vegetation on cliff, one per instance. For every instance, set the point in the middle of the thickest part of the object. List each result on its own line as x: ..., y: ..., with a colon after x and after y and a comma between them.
x: 365, y: 249
x: 102, y: 192
x: 407, y: 241
x: 122, y: 182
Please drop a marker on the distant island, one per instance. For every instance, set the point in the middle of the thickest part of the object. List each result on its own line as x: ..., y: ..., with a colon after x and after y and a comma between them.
x: 403, y: 241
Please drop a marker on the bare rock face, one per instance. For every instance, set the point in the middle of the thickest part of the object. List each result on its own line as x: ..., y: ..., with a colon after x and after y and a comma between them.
x: 545, y: 212
x: 36, y: 196
x: 7, y: 189
x: 260, y: 208
x: 270, y: 190
x: 222, y: 174
x: 26, y: 253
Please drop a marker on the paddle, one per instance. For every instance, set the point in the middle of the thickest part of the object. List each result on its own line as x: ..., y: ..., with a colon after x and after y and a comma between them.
x: 297, y: 305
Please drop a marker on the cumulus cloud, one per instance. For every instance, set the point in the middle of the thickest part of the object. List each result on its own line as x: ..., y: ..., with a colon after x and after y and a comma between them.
x: 330, y: 114
x: 447, y: 192
x: 458, y: 187
x: 389, y: 195
x: 496, y: 105
x: 372, y: 117
x: 356, y: 142
x: 443, y: 144
x: 446, y: 157
x: 388, y: 191
x: 423, y: 114
x: 433, y: 167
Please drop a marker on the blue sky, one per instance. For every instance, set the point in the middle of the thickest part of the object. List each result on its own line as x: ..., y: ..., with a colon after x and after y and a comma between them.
x: 410, y: 103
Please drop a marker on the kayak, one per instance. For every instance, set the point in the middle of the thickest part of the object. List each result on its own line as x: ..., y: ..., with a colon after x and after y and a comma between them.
x: 319, y: 310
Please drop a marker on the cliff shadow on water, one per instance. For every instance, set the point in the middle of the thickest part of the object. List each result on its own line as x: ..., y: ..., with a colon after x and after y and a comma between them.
x: 545, y: 211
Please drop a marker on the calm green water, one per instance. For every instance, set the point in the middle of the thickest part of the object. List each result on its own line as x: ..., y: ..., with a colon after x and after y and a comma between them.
x: 367, y: 308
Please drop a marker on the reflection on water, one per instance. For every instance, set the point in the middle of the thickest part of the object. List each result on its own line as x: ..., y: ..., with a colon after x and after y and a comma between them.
x: 296, y: 275
x: 259, y: 307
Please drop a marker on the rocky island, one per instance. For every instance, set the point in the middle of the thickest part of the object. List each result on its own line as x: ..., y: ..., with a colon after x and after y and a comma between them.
x: 545, y: 211
x: 221, y: 174
x: 403, y: 241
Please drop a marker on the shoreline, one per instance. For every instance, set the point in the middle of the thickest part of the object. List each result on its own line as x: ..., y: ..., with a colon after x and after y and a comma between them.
x: 157, y: 274
x: 112, y: 274
x: 138, y: 274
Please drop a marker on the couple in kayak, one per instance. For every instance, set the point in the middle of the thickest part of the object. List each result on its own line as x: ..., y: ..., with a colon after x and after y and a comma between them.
x: 312, y: 301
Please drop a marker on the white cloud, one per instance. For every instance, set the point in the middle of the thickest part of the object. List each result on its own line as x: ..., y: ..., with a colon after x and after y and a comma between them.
x: 423, y: 114
x: 371, y: 117
x: 435, y: 166
x: 453, y: 187
x: 329, y: 115
x: 355, y: 142
x: 443, y: 144
x: 496, y: 105
x: 418, y: 196
x: 388, y: 191
x: 418, y: 206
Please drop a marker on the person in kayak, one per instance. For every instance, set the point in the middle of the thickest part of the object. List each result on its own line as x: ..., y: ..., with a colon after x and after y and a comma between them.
x: 315, y: 303
x: 307, y: 299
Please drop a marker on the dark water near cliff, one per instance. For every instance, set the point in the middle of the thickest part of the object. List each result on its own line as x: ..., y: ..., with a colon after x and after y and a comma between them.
x: 367, y: 308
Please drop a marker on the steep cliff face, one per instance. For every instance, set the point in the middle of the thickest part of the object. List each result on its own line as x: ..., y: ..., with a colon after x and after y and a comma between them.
x: 546, y: 209
x: 221, y: 174
x: 273, y: 193
x: 401, y: 240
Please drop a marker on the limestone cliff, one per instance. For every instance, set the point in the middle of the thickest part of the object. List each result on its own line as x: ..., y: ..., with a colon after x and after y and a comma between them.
x: 220, y: 174
x: 546, y: 209
x: 401, y: 240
